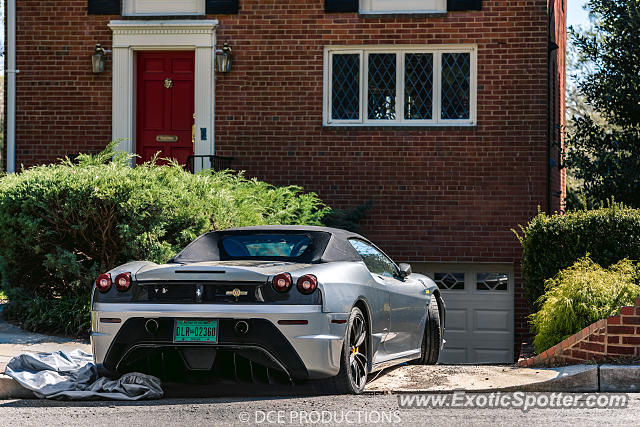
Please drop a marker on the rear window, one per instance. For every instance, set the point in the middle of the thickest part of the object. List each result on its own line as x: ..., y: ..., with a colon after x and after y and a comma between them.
x: 266, y: 245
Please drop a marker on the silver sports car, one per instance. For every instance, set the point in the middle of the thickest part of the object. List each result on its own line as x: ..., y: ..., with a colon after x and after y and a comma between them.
x: 268, y: 304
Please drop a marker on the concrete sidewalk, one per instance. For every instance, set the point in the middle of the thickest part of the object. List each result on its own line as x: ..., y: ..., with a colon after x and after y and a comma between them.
x: 15, y: 341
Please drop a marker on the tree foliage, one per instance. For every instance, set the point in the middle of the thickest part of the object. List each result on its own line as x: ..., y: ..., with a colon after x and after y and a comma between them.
x: 604, y: 147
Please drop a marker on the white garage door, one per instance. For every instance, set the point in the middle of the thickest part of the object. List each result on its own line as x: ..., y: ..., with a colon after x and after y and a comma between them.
x: 480, y: 310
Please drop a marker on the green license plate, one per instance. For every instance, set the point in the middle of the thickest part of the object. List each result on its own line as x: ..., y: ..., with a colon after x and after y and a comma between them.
x: 198, y: 331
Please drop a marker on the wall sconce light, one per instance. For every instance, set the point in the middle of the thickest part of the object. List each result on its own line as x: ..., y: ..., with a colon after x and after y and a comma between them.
x: 99, y: 59
x: 223, y: 59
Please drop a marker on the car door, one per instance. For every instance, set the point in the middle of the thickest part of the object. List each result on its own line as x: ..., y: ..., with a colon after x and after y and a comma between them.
x: 407, y: 299
x: 381, y: 311
x: 408, y: 302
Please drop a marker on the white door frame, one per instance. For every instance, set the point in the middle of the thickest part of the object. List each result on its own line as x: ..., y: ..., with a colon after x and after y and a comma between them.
x: 131, y: 36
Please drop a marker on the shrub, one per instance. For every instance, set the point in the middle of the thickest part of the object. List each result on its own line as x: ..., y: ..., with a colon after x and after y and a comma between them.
x: 62, y: 224
x: 581, y: 295
x: 348, y: 219
x: 553, y: 243
x: 67, y: 315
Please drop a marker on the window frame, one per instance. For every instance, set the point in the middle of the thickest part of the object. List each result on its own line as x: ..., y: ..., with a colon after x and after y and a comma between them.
x: 366, y: 7
x: 400, y: 51
x: 396, y: 275
x: 471, y: 272
x: 328, y: 90
x: 451, y: 273
x: 129, y: 7
x: 498, y: 272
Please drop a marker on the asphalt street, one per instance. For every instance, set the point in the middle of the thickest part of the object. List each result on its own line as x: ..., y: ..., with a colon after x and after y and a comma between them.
x: 320, y: 410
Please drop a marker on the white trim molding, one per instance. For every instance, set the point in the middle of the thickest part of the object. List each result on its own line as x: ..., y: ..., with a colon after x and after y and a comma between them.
x: 11, y: 85
x: 162, y: 7
x: 132, y: 36
x: 402, y: 6
x: 397, y: 116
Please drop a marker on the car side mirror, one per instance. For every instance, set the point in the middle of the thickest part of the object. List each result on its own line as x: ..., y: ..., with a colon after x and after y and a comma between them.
x: 405, y: 269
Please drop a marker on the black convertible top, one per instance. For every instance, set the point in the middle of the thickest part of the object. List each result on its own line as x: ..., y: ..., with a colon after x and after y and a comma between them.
x: 326, y: 244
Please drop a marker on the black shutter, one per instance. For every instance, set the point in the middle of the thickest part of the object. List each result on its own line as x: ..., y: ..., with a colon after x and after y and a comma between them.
x: 332, y: 6
x: 456, y: 5
x: 104, y: 7
x: 216, y: 7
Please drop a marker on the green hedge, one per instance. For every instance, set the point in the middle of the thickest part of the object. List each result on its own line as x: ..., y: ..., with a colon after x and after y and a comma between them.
x: 581, y: 295
x: 67, y: 315
x: 553, y: 243
x: 62, y: 224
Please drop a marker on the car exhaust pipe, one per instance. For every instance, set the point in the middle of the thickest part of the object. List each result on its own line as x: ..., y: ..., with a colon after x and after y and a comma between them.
x: 241, y: 328
x: 152, y: 326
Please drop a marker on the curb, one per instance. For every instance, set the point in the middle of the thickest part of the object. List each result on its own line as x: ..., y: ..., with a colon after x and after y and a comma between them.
x: 10, y: 389
x: 572, y: 379
x: 620, y: 378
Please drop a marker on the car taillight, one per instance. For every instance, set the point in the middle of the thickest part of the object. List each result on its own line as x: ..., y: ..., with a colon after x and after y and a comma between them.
x: 282, y: 282
x: 103, y: 282
x: 123, y: 281
x: 307, y: 284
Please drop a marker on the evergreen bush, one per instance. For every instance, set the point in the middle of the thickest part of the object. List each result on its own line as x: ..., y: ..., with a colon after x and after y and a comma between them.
x: 581, y: 295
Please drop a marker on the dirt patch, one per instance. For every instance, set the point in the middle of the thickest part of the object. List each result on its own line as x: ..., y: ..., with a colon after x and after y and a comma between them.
x: 456, y: 377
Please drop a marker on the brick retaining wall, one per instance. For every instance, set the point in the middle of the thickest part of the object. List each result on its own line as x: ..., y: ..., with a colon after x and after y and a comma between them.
x: 607, y: 340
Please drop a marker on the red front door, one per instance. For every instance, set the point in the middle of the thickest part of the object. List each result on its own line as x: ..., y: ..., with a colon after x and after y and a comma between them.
x: 165, y: 105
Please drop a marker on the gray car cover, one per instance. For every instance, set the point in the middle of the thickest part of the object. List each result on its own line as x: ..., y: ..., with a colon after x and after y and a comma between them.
x: 74, y: 376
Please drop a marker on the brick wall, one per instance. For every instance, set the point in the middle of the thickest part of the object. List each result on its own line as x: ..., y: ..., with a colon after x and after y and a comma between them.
x: 441, y: 194
x: 62, y: 107
x: 607, y: 340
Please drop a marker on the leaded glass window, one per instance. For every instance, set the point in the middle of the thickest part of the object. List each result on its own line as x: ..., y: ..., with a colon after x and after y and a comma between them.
x: 456, y: 85
x: 407, y: 85
x: 382, y: 86
x: 418, y: 86
x: 345, y: 87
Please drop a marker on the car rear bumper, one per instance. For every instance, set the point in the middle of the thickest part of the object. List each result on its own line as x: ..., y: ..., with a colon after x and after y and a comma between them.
x: 309, y: 350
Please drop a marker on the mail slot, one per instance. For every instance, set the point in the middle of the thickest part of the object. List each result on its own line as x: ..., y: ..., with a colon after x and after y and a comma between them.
x: 167, y: 138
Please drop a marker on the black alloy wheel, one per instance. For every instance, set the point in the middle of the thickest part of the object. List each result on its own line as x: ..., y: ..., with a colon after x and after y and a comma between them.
x: 358, y: 350
x: 354, y: 360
